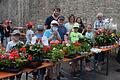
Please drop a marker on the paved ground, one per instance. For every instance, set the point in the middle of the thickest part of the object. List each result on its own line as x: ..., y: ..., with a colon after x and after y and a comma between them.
x: 113, y: 75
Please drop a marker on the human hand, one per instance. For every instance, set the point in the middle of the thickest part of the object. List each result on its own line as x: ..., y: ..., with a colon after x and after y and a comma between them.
x: 55, y: 33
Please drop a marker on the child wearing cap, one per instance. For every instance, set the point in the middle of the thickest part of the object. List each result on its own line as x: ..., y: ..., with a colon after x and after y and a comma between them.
x: 75, y: 35
x: 37, y: 38
x: 61, y: 28
x: 15, y: 40
x: 52, y: 34
x: 29, y: 32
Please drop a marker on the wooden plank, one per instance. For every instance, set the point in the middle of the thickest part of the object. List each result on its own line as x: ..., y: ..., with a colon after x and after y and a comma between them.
x: 6, y: 75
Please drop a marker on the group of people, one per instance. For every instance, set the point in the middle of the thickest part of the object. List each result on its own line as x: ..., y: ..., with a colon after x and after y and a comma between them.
x: 55, y: 28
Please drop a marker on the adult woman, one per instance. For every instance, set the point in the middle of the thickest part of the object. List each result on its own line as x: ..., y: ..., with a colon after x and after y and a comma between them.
x: 81, y: 27
x: 69, y: 25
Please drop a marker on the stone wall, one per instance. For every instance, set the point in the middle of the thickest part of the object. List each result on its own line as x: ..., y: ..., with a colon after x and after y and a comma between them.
x: 21, y: 11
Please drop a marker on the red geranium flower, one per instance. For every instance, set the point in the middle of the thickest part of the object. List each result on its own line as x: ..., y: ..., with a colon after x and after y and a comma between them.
x: 14, y: 54
x: 3, y: 49
x: 29, y: 57
x: 54, y: 42
x: 46, y: 48
x: 77, y: 44
x: 38, y: 40
x: 3, y: 56
x: 23, y: 49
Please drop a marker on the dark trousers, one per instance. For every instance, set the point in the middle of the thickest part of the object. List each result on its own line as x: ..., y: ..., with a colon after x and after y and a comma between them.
x: 42, y: 73
x: 2, y: 39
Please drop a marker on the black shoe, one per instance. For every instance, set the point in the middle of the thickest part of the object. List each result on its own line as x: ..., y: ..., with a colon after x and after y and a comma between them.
x: 58, y: 78
x: 47, y: 78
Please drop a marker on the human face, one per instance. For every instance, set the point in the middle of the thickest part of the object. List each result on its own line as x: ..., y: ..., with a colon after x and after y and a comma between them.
x: 61, y: 21
x: 56, y: 13
x: 75, y: 29
x: 54, y: 27
x: 89, y: 28
x: 72, y: 19
x: 100, y: 18
x: 16, y: 38
x: 78, y: 20
x: 40, y: 31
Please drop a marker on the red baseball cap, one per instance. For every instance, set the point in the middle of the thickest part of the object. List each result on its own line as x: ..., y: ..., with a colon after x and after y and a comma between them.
x: 29, y: 24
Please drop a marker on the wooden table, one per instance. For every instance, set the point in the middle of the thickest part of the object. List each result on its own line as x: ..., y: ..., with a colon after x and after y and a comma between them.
x: 44, y: 65
x: 4, y: 75
x: 107, y: 55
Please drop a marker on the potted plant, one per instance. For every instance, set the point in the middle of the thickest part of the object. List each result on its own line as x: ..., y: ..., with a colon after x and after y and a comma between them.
x: 38, y: 53
x: 13, y: 61
x: 55, y: 55
x: 104, y: 38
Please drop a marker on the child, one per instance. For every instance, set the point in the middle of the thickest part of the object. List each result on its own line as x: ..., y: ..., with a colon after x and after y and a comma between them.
x: 36, y: 40
x: 90, y: 35
x: 75, y: 35
x: 61, y: 28
x: 66, y: 38
x: 29, y: 32
x: 52, y: 34
x: 15, y: 40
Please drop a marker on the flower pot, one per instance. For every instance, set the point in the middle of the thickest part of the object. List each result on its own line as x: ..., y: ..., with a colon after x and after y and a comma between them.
x: 34, y: 64
x: 70, y: 56
x: 11, y: 69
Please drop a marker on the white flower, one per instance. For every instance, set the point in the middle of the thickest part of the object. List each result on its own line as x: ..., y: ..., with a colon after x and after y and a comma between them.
x: 54, y: 48
x: 67, y: 44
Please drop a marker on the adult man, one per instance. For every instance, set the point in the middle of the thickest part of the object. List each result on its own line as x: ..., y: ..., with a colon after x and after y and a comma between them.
x: 99, y: 23
x: 1, y: 33
x: 7, y: 30
x: 54, y: 16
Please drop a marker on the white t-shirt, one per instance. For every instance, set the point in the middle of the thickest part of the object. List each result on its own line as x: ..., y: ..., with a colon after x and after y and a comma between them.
x: 12, y: 44
x: 33, y: 41
x: 69, y: 26
x: 44, y: 40
x: 28, y: 34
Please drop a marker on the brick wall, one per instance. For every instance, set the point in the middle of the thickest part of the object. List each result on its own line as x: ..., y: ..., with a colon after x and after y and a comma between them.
x: 21, y: 11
